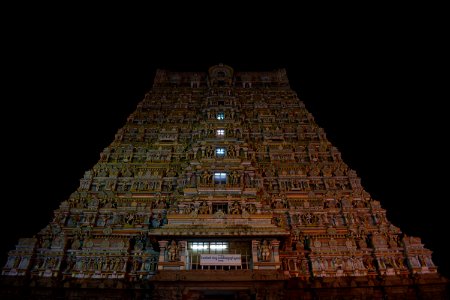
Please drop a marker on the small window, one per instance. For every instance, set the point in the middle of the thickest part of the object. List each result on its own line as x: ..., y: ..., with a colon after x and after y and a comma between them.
x: 220, y: 116
x: 220, y: 152
x: 220, y: 102
x: 219, y: 207
x: 220, y: 178
x: 218, y: 245
x: 207, y: 246
x: 220, y: 132
x: 199, y: 246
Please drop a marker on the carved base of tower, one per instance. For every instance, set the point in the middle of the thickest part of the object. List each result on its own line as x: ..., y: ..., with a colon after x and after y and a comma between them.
x: 212, y: 284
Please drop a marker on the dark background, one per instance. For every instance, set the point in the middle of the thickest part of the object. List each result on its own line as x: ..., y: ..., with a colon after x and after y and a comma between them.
x: 373, y: 83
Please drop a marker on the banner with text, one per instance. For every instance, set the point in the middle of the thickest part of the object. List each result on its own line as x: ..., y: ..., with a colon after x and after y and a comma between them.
x: 220, y: 260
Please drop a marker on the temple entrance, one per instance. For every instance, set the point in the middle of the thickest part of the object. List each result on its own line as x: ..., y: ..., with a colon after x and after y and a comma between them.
x: 219, y: 255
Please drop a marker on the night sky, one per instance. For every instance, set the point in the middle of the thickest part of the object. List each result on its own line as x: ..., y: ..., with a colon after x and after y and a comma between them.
x: 377, y: 92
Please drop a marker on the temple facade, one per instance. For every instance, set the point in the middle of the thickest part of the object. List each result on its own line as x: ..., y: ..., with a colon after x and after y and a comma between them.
x: 221, y: 186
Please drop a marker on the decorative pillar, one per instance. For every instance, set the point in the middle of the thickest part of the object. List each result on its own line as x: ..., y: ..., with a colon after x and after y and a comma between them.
x: 255, y: 247
x: 276, y: 252
x: 162, y: 253
x: 183, y: 253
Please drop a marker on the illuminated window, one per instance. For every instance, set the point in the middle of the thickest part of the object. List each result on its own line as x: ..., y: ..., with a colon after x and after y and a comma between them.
x: 220, y: 132
x: 220, y: 178
x: 218, y: 245
x: 220, y: 152
x: 199, y: 246
x: 220, y: 116
x: 207, y: 247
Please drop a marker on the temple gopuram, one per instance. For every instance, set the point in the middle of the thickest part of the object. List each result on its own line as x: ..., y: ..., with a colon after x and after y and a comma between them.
x: 221, y: 186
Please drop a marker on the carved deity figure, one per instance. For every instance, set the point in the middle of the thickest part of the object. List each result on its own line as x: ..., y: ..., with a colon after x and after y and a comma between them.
x: 235, y: 208
x: 231, y: 151
x: 172, y: 250
x: 204, y: 208
x: 157, y: 221
x: 206, y: 177
x: 234, y: 178
x: 209, y: 152
x: 265, y: 251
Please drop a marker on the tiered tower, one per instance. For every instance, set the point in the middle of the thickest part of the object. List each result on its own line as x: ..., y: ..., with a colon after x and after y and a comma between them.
x: 221, y: 182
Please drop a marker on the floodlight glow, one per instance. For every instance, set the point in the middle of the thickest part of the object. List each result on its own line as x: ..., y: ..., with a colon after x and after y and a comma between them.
x: 218, y: 246
x: 198, y: 247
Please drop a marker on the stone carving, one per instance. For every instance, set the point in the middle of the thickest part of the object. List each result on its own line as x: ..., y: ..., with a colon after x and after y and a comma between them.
x: 284, y: 180
x: 265, y: 251
x: 172, y: 251
x: 235, y: 208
